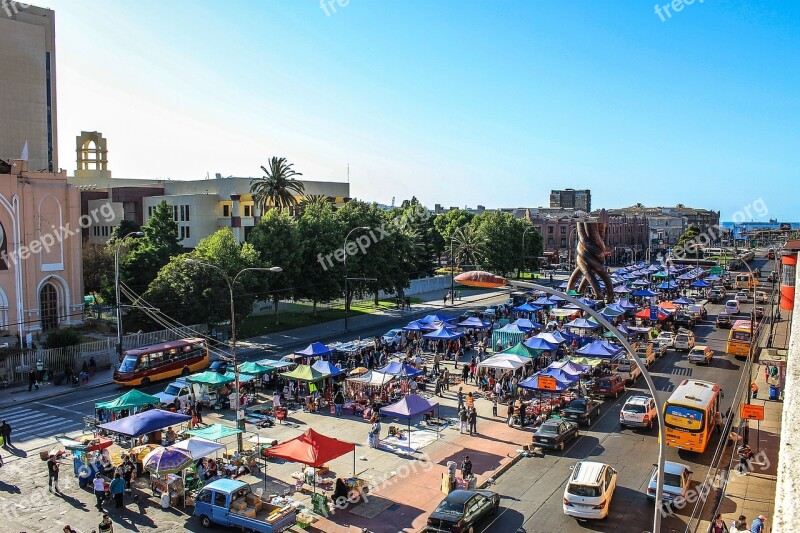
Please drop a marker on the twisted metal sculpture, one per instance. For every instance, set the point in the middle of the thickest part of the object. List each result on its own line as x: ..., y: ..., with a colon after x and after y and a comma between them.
x: 589, y: 260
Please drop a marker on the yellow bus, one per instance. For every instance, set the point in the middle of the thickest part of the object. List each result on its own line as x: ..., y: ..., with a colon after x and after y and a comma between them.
x: 690, y: 415
x: 739, y: 338
x: 746, y: 281
x: 142, y: 366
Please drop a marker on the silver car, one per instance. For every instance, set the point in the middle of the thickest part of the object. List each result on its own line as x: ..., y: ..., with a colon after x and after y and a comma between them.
x: 677, y: 478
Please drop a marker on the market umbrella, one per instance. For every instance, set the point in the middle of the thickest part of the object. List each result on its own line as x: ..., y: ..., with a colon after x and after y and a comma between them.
x: 359, y: 370
x: 167, y: 460
x: 140, y: 452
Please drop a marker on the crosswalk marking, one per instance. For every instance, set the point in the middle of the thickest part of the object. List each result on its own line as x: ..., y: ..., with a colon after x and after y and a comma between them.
x: 29, y: 423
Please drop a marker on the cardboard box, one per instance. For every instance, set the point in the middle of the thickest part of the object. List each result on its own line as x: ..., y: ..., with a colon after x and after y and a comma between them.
x: 239, y: 504
x: 250, y: 512
x: 258, y: 506
x: 252, y: 499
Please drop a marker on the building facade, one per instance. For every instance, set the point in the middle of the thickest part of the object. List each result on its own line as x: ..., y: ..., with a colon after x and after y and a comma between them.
x: 580, y: 199
x: 28, y: 111
x: 41, y: 277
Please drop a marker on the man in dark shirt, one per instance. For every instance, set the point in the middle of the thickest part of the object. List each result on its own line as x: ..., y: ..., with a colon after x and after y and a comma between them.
x: 52, y: 473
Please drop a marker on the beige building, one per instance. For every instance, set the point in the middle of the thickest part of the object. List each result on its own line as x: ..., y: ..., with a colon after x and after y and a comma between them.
x: 41, y: 278
x: 28, y: 85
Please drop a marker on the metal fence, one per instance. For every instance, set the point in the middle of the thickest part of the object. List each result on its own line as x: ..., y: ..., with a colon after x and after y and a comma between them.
x: 14, y: 368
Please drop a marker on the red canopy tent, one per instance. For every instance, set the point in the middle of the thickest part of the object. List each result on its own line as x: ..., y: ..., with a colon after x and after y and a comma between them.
x: 645, y: 314
x: 312, y: 449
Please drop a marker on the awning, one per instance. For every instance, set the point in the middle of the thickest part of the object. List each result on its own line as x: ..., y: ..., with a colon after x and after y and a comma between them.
x: 311, y: 449
x: 213, y: 379
x: 256, y: 369
x: 504, y: 362
x: 408, y: 406
x: 129, y: 400
x: 143, y: 423
x: 198, y: 447
x: 315, y: 349
x: 305, y: 373
x: 214, y: 432
x: 372, y: 378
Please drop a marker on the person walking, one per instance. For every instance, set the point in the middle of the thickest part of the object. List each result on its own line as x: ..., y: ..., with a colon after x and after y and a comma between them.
x: 338, y: 402
x: 758, y: 524
x: 376, y: 431
x: 473, y: 421
x: 460, y: 397
x: 5, y: 432
x: 52, y: 473
x: 437, y: 387
x: 117, y: 490
x: 510, y: 412
x: 436, y: 360
x: 718, y: 525
x: 462, y: 418
x: 128, y: 469
x: 99, y: 487
x: 446, y: 382
x: 494, y: 405
x: 106, y: 526
x: 739, y: 525
x: 32, y: 381
x: 466, y: 468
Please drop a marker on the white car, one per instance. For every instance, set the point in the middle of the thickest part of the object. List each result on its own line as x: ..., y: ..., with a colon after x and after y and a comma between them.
x: 667, y: 338
x: 677, y: 478
x: 393, y: 338
x: 589, y: 490
x: 732, y: 307
x: 701, y: 354
x: 741, y: 297
x: 761, y: 297
x: 638, y: 411
x: 179, y: 390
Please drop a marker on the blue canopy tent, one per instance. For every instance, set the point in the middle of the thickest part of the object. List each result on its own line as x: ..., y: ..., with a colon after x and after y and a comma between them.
x: 563, y: 285
x: 640, y: 283
x: 438, y: 317
x: 600, y: 348
x: 622, y: 328
x: 526, y: 308
x: 559, y: 374
x: 532, y: 383
x: 683, y: 301
x: 553, y: 337
x: 556, y: 298
x: 525, y: 324
x: 713, y: 277
x: 410, y: 406
x: 667, y: 285
x: 545, y: 302
x: 626, y: 305
x: 473, y: 322
x: 430, y: 326
x: 315, y: 349
x: 700, y: 284
x: 443, y: 334
x: 621, y: 289
x: 396, y: 368
x: 415, y: 326
x: 146, y: 422
x: 645, y: 293
x: 537, y: 343
x: 326, y: 367
x: 571, y: 367
x: 581, y: 323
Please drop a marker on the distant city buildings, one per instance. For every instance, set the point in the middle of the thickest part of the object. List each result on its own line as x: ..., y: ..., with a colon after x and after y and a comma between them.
x: 580, y: 199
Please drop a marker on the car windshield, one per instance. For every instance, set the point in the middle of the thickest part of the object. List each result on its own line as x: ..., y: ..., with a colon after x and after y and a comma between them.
x: 587, y: 491
x: 634, y: 408
x: 449, y: 507
x: 604, y: 382
x: 577, y: 404
x: 672, y: 480
x: 128, y: 364
x: 172, y: 390
x: 682, y: 338
x: 550, y: 429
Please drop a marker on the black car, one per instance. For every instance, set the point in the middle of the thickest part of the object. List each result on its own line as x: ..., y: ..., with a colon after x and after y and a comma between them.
x: 724, y: 321
x: 461, y: 510
x: 582, y: 410
x: 555, y: 434
x: 684, y: 320
x: 220, y: 367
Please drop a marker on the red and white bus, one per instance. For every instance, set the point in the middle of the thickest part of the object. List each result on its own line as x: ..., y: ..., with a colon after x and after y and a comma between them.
x: 142, y: 366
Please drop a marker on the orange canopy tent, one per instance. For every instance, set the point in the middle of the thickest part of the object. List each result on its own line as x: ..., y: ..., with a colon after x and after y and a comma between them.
x: 312, y: 449
x: 669, y: 306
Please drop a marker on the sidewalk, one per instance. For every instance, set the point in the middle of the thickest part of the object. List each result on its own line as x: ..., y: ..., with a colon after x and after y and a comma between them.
x: 284, y: 341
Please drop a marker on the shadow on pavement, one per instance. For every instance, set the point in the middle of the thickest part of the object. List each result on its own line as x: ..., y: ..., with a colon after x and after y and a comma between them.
x: 482, y: 462
x: 5, y: 487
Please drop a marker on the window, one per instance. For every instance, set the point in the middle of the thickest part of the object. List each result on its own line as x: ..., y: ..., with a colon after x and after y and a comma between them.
x: 219, y: 499
x: 182, y: 233
x: 247, y: 210
x: 563, y: 230
x: 204, y: 496
x: 550, y: 230
x: 175, y: 212
x: 226, y: 210
x: 550, y: 241
x: 563, y: 241
x: 94, y: 231
x: 187, y: 212
x: 150, y: 211
x: 187, y: 232
x: 183, y: 214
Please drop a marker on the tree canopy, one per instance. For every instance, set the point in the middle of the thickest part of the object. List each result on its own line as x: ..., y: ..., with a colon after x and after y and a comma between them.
x: 278, y: 187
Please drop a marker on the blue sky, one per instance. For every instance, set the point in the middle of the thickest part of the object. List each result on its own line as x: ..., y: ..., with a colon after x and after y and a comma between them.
x: 459, y: 103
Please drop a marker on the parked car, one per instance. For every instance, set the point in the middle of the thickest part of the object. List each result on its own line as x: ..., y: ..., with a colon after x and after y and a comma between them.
x: 732, y: 307
x: 724, y: 321
x: 761, y: 297
x: 582, y: 410
x: 684, y: 340
x: 668, y: 338
x: 701, y: 354
x: 611, y: 385
x: 393, y: 338
x: 683, y: 320
x: 741, y: 297
x: 760, y: 312
x: 491, y: 311
x: 716, y: 296
x: 555, y: 433
x: 677, y: 478
x: 461, y: 510
x: 628, y: 369
x: 589, y: 490
x: 638, y: 411
x: 177, y: 390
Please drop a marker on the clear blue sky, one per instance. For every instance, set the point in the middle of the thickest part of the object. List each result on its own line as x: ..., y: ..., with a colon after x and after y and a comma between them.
x: 458, y: 103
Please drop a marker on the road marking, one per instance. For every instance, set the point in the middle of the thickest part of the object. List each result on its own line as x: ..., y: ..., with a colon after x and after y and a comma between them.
x: 91, y: 401
x: 56, y: 407
x: 35, y: 430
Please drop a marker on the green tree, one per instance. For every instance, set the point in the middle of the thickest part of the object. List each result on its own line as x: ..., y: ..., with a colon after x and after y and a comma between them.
x: 448, y: 222
x: 469, y: 246
x: 534, y: 245
x: 98, y: 269
x: 123, y: 229
x: 277, y: 188
x: 321, y: 276
x: 61, y: 338
x: 276, y: 239
x: 416, y: 222
x: 501, y: 234
x: 687, y: 243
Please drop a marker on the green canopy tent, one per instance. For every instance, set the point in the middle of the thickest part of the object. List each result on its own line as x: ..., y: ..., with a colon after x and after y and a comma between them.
x: 305, y: 373
x: 524, y: 351
x: 129, y: 400
x: 573, y: 292
x: 255, y: 369
x: 590, y: 361
x: 212, y: 379
x: 214, y: 432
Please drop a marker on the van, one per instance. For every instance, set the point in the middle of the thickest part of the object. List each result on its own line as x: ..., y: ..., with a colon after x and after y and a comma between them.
x: 177, y: 390
x: 684, y: 340
x: 732, y: 307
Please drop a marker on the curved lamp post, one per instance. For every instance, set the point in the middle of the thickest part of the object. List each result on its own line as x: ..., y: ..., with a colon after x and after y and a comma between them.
x: 117, y: 249
x: 485, y: 279
x: 231, y: 282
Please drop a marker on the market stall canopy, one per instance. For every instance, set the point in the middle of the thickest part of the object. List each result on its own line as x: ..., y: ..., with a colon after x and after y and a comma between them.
x: 553, y: 337
x: 713, y: 277
x: 625, y: 304
x: 667, y: 285
x: 437, y: 317
x: 130, y: 400
x: 644, y: 292
x: 548, y: 384
x: 243, y: 378
x: 660, y: 274
x: 372, y: 378
x: 305, y: 373
x: 214, y: 432
x: 276, y: 364
x: 640, y: 283
x: 588, y: 361
x: 143, y: 423
x: 600, y: 348
x: 521, y: 350
x: 504, y: 362
x: 311, y: 448
x: 510, y: 328
x: 668, y: 306
x: 612, y: 311
x: 443, y: 334
x: 315, y: 349
x: 415, y: 326
x: 582, y: 323
x: 212, y: 379
x: 408, y: 406
x: 562, y: 312
x: 526, y: 324
x: 527, y: 308
x: 396, y: 368
x: 537, y: 343
x: 571, y: 367
x: 256, y: 369
x: 683, y: 301
x: 645, y: 314
x: 198, y: 447
x: 473, y: 322
x: 560, y: 374
x: 85, y: 445
x: 167, y: 460
x: 545, y: 301
x: 326, y: 367
x: 700, y: 284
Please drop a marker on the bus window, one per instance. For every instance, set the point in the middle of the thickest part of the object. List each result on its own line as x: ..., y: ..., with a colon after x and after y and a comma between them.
x: 128, y: 363
x: 684, y: 418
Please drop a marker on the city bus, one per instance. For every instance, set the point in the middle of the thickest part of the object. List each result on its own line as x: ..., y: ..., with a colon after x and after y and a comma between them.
x: 746, y: 281
x: 142, y: 366
x: 690, y: 415
x: 739, y: 338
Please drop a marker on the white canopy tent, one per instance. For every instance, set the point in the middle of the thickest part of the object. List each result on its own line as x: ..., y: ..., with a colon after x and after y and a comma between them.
x: 372, y: 378
x: 504, y: 362
x: 199, y: 447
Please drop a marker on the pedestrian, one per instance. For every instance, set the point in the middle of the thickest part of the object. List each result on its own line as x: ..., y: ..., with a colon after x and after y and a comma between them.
x: 99, y: 486
x: 460, y: 397
x: 117, y: 490
x: 128, y: 470
x: 740, y: 524
x: 436, y: 360
x: 510, y: 412
x: 718, y: 525
x: 52, y: 473
x: 462, y: 419
x: 758, y: 524
x: 745, y: 456
x: 473, y: 421
x: 106, y: 526
x: 32, y: 381
x: 753, y: 389
x: 5, y: 432
x: 376, y: 431
x: 465, y: 373
x: 470, y: 401
x: 494, y: 405
x: 444, y: 300
x: 338, y: 402
x: 466, y: 468
x: 446, y: 382
x: 92, y: 366
x: 198, y: 411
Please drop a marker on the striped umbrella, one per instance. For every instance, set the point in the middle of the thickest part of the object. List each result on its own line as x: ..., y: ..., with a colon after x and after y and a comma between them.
x: 167, y: 460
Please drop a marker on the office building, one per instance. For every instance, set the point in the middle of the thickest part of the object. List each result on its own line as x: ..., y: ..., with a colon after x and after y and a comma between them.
x: 580, y: 199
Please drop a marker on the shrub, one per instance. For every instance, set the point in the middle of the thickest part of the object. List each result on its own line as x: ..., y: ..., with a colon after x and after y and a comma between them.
x: 62, y: 338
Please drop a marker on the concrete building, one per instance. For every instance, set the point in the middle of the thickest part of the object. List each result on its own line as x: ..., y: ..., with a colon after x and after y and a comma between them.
x: 665, y: 221
x: 200, y: 207
x: 580, y: 199
x: 41, y: 277
x: 28, y: 111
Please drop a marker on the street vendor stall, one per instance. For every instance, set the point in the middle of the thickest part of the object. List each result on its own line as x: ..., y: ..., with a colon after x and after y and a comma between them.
x: 147, y: 425
x: 91, y: 455
x: 311, y: 377
x: 411, y: 406
x: 167, y: 466
x: 130, y: 401
x: 213, y: 380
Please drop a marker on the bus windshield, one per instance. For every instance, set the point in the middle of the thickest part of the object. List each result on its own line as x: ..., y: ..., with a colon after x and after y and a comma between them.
x: 741, y: 336
x: 686, y: 418
x: 128, y: 364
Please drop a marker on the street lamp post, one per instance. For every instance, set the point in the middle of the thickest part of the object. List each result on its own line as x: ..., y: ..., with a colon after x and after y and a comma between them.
x: 523, y: 249
x: 116, y: 288
x: 231, y: 283
x: 346, y: 294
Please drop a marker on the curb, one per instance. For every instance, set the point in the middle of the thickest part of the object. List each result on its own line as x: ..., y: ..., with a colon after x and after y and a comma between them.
x: 500, y: 471
x: 385, y: 318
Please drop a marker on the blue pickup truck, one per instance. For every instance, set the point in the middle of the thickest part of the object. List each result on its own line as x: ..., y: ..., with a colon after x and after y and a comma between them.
x: 228, y: 502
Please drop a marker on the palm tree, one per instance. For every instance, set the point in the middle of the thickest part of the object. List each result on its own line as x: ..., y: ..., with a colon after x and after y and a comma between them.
x: 468, y: 246
x: 313, y: 199
x: 278, y: 188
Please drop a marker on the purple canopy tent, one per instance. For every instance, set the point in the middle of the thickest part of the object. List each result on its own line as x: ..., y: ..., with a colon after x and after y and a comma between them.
x: 409, y: 406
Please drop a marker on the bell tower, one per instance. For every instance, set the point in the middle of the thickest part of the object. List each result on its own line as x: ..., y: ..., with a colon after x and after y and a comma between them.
x: 92, y: 152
